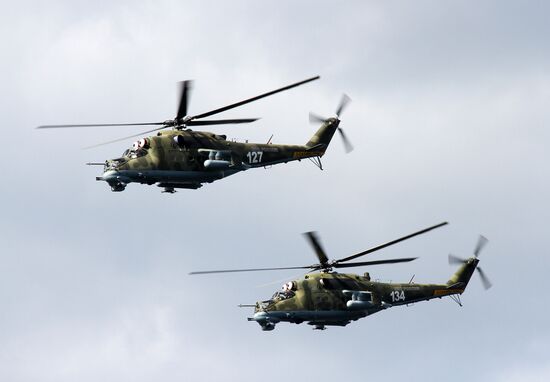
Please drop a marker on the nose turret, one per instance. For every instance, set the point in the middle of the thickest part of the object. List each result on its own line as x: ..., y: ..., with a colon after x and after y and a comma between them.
x: 265, y: 320
x: 110, y: 164
x: 112, y: 176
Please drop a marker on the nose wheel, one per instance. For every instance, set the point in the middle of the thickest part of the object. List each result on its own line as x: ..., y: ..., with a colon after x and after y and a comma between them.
x: 117, y: 187
x: 268, y: 326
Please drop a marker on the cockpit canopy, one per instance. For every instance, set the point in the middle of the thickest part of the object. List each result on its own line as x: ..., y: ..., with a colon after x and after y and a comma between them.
x: 287, y: 291
x: 138, y: 149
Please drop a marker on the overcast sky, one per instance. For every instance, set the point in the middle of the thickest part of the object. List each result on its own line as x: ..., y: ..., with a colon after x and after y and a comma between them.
x: 449, y: 121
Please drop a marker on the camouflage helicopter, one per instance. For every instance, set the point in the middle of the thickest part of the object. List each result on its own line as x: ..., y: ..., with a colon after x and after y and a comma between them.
x: 178, y: 157
x: 329, y: 298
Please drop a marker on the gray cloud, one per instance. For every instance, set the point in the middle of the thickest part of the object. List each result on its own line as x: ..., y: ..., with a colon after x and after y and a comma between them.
x: 449, y: 119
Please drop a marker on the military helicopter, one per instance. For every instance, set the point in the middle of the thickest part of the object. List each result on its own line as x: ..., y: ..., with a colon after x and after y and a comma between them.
x: 329, y: 298
x: 178, y: 157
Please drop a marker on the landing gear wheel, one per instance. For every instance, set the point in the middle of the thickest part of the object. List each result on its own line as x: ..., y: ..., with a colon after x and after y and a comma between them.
x: 118, y: 187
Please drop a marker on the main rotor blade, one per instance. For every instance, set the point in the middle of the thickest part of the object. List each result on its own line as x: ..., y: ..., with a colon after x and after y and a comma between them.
x: 123, y: 138
x: 347, y: 144
x: 100, y: 125
x: 220, y: 121
x: 375, y: 262
x: 455, y: 259
x: 185, y: 87
x: 240, y: 103
x: 481, y: 242
x: 343, y: 103
x: 314, y: 242
x: 484, y: 279
x: 390, y: 243
x: 246, y: 270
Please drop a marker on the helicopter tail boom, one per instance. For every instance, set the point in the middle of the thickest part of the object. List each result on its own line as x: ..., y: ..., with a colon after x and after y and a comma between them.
x: 323, y: 136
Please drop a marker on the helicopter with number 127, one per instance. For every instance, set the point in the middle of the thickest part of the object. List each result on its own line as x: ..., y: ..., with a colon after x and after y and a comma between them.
x: 178, y: 157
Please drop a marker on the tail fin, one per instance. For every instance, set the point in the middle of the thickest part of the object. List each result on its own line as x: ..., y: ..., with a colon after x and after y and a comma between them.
x: 324, y: 135
x: 463, y: 275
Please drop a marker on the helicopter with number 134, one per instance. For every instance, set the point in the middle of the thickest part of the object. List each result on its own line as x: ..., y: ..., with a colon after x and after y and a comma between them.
x: 323, y: 297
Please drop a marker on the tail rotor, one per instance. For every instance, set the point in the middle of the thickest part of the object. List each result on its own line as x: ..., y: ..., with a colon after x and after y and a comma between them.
x: 343, y: 104
x: 315, y: 118
x: 481, y: 243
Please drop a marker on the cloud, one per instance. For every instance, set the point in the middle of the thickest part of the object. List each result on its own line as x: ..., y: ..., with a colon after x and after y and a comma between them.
x: 448, y: 119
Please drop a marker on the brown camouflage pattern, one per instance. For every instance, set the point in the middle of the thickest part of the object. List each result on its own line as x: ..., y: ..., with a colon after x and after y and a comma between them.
x: 179, y: 158
x: 322, y: 298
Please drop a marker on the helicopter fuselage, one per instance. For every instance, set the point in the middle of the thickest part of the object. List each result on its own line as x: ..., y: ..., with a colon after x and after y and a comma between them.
x: 177, y: 157
x: 336, y: 299
x: 187, y: 159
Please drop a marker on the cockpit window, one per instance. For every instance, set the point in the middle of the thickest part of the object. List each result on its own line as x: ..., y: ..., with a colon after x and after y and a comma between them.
x: 139, y: 153
x: 263, y: 304
x: 283, y: 295
x: 138, y: 149
x: 287, y: 291
x: 132, y: 154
